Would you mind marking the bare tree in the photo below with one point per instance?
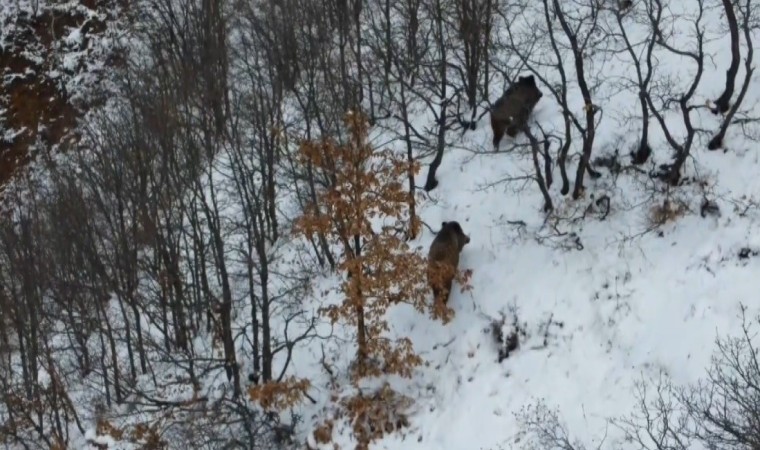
(746, 25)
(723, 102)
(725, 405)
(720, 411)
(663, 98)
(543, 183)
(643, 69)
(543, 49)
(580, 33)
(475, 23)
(542, 428)
(436, 80)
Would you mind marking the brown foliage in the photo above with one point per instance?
(376, 415)
(279, 395)
(380, 268)
(144, 434)
(148, 436)
(106, 428)
(364, 208)
(667, 211)
(34, 104)
(370, 416)
(323, 433)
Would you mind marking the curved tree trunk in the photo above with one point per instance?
(722, 103)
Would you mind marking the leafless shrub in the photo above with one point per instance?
(746, 12)
(659, 422)
(720, 411)
(667, 94)
(541, 428)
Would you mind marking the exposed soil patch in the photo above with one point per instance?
(39, 54)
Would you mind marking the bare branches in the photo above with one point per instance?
(475, 23)
(659, 422)
(166, 244)
(747, 18)
(542, 182)
(587, 22)
(541, 428)
(657, 21)
(726, 403)
(720, 411)
(723, 102)
(643, 79)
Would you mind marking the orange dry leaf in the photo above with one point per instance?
(279, 395)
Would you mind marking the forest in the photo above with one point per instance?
(245, 203)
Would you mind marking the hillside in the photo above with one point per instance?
(157, 289)
(54, 58)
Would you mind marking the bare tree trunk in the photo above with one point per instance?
(413, 220)
(588, 106)
(723, 102)
(642, 153)
(717, 141)
(212, 216)
(431, 181)
(361, 327)
(542, 185)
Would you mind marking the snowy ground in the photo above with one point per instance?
(628, 310)
(629, 307)
(625, 307)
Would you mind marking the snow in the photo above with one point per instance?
(43, 378)
(628, 311)
(603, 302)
(633, 304)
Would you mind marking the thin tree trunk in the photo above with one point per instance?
(723, 102)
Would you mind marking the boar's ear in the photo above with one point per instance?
(443, 225)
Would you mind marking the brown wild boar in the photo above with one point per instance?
(443, 259)
(511, 111)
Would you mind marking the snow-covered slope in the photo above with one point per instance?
(600, 299)
(597, 319)
(604, 301)
(55, 59)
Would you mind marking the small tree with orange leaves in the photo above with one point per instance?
(366, 213)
